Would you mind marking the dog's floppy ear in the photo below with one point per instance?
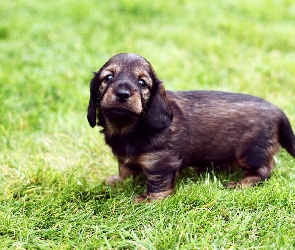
(93, 101)
(159, 113)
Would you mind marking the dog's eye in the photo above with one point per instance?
(142, 83)
(108, 78)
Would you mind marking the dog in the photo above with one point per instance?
(158, 132)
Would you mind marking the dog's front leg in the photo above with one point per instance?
(124, 173)
(159, 186)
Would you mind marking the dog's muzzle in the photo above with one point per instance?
(122, 94)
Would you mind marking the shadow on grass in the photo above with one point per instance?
(189, 175)
(222, 173)
(131, 187)
(68, 188)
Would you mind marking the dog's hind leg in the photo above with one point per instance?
(257, 167)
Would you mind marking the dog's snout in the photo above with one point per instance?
(122, 95)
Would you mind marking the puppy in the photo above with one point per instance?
(159, 132)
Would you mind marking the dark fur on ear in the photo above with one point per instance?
(93, 101)
(159, 113)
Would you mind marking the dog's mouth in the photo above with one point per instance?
(118, 111)
(120, 114)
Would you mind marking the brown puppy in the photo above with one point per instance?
(159, 132)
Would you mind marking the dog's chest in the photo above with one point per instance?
(129, 146)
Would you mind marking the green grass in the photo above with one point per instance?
(52, 163)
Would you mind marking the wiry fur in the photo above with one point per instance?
(159, 132)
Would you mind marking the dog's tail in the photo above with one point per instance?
(286, 135)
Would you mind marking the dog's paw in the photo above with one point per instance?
(142, 198)
(247, 182)
(231, 185)
(150, 197)
(113, 179)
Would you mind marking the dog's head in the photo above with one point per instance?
(125, 92)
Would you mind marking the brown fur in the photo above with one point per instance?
(159, 132)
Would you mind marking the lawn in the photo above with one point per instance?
(52, 164)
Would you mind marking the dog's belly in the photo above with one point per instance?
(206, 158)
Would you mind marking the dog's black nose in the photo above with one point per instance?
(123, 95)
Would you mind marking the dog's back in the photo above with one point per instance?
(223, 125)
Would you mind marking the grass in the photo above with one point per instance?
(52, 163)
